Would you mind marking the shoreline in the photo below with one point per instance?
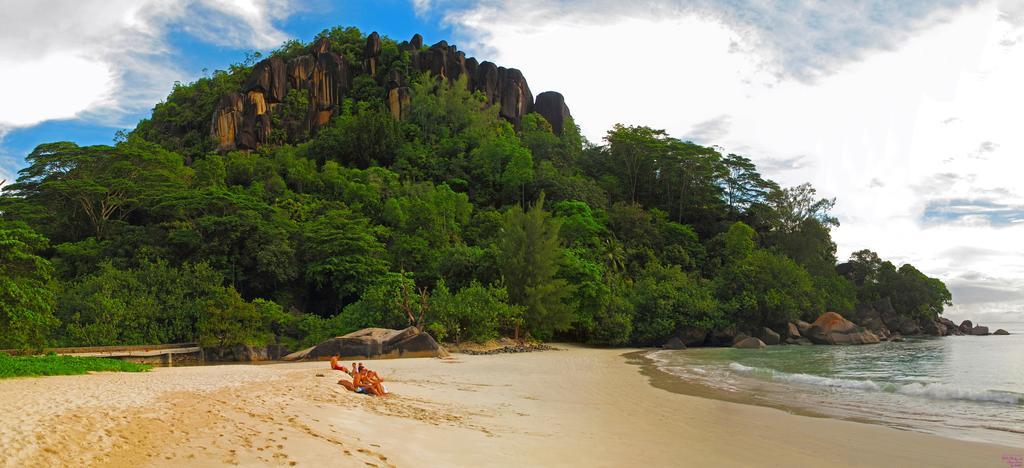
(576, 407)
(664, 380)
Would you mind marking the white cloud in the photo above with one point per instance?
(62, 59)
(873, 121)
(421, 7)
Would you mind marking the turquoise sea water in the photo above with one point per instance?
(965, 387)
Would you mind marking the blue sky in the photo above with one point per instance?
(906, 111)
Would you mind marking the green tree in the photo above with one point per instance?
(474, 313)
(530, 259)
(666, 299)
(96, 185)
(343, 253)
(26, 289)
(228, 321)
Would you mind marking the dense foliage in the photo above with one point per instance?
(450, 219)
(34, 366)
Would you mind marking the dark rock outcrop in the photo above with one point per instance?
(966, 326)
(793, 332)
(951, 328)
(832, 329)
(693, 337)
(371, 54)
(269, 77)
(674, 343)
(376, 343)
(933, 327)
(749, 343)
(869, 316)
(1001, 332)
(769, 337)
(227, 120)
(516, 99)
(243, 120)
(551, 105)
(979, 331)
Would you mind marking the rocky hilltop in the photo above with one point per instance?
(245, 119)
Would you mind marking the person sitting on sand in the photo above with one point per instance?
(360, 383)
(364, 386)
(373, 378)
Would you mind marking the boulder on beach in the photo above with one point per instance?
(896, 338)
(674, 343)
(769, 337)
(870, 317)
(979, 331)
(692, 336)
(802, 326)
(374, 343)
(1001, 332)
(792, 332)
(739, 338)
(832, 329)
(725, 336)
(749, 343)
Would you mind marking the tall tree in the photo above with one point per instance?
(529, 261)
(101, 184)
(26, 292)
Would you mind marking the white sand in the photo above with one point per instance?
(579, 407)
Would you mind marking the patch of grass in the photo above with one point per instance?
(52, 364)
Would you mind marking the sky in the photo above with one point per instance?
(907, 112)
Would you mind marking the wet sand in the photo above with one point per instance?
(577, 407)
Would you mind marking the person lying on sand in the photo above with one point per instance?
(344, 383)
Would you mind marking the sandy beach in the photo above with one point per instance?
(575, 407)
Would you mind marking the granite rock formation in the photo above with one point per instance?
(245, 119)
(374, 343)
(832, 329)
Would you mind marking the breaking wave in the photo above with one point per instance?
(931, 391)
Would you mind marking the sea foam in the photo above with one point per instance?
(931, 391)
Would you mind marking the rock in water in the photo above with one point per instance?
(1001, 332)
(979, 331)
(793, 332)
(674, 343)
(749, 343)
(769, 336)
(933, 328)
(951, 328)
(966, 326)
(832, 329)
(896, 338)
(375, 343)
(802, 326)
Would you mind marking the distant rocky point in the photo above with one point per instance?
(245, 119)
(870, 324)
